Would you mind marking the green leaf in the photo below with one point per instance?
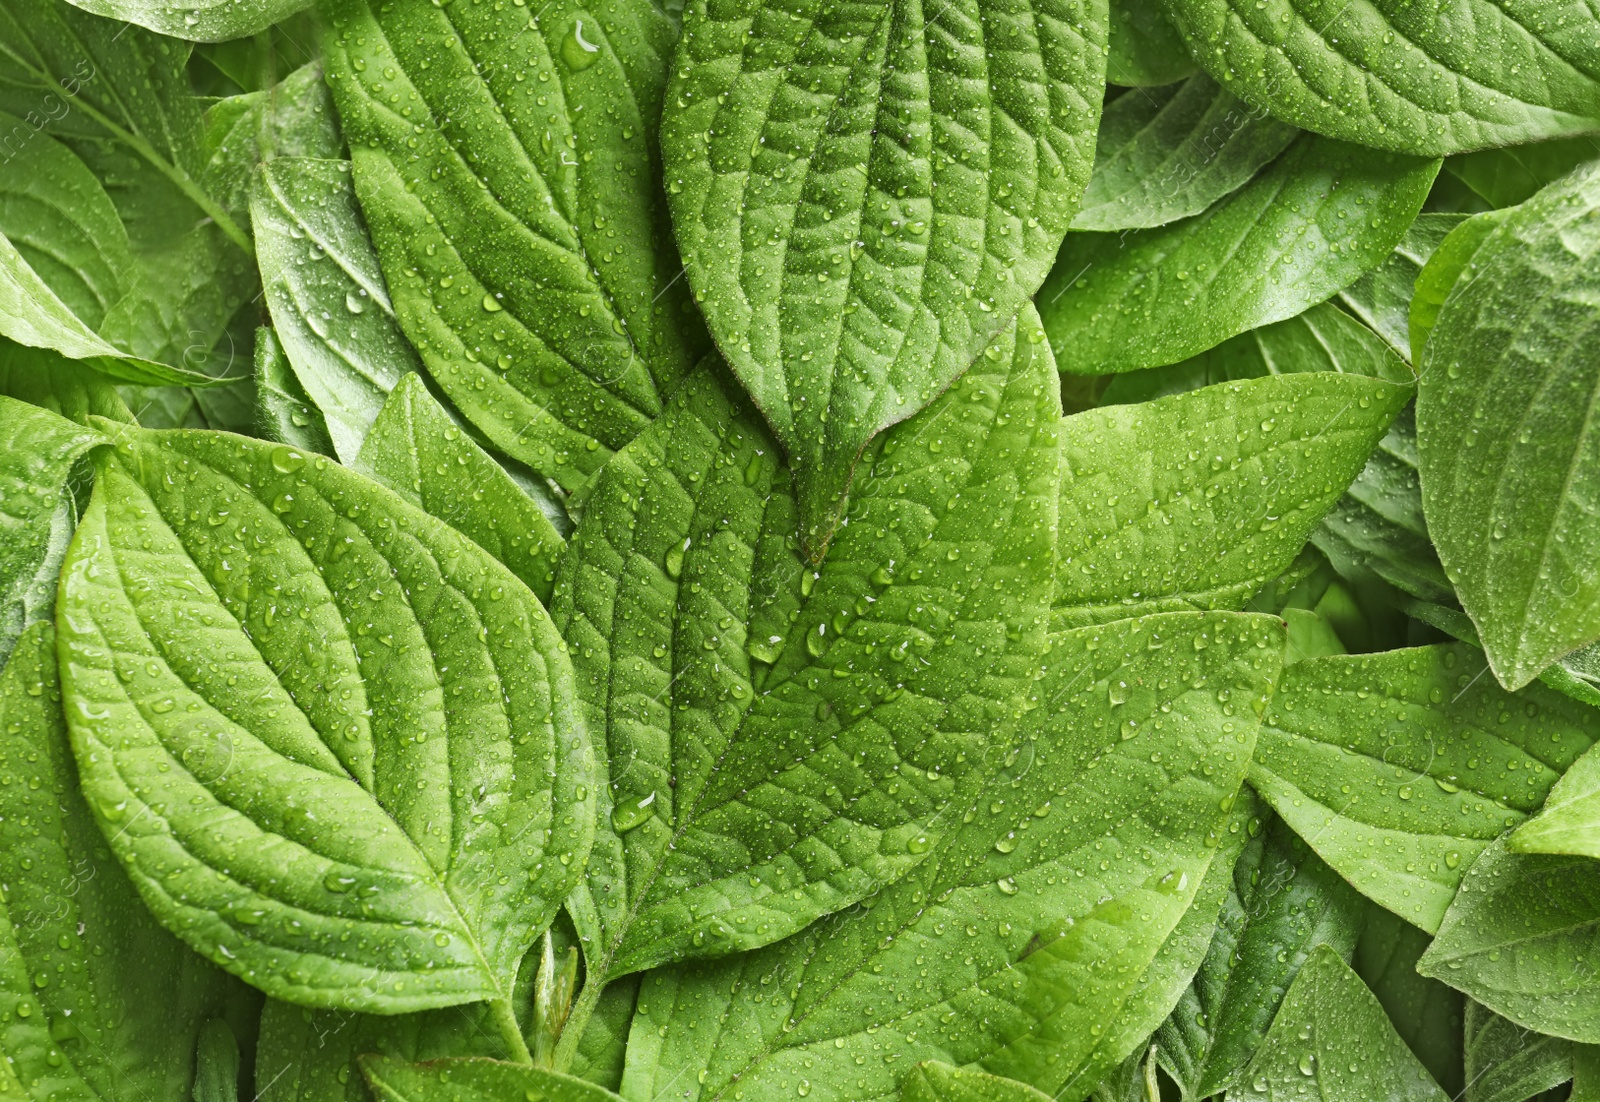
(416, 450)
(1400, 768)
(1455, 74)
(1443, 271)
(377, 705)
(286, 412)
(1136, 1079)
(1282, 903)
(1519, 938)
(1324, 338)
(1426, 1014)
(474, 1080)
(1020, 940)
(1578, 682)
(1509, 432)
(1171, 152)
(45, 378)
(865, 196)
(1506, 177)
(197, 20)
(1382, 297)
(1585, 1074)
(1503, 1062)
(1332, 1037)
(1568, 821)
(601, 1053)
(1321, 215)
(216, 1064)
(1377, 531)
(293, 118)
(122, 1001)
(936, 1082)
(782, 745)
(329, 303)
(1145, 49)
(526, 246)
(1200, 499)
(37, 452)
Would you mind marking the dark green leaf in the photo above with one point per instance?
(1509, 431)
(1331, 1037)
(1426, 1014)
(1171, 152)
(1382, 297)
(329, 303)
(474, 1080)
(866, 195)
(122, 1001)
(1503, 1062)
(1506, 177)
(275, 664)
(216, 1064)
(1400, 768)
(525, 244)
(1322, 214)
(1519, 939)
(1200, 499)
(602, 1051)
(783, 744)
(419, 452)
(1145, 48)
(1282, 903)
(1020, 945)
(285, 411)
(1433, 78)
(46, 378)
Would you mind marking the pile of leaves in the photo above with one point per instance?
(978, 551)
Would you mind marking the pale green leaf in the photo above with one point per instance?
(122, 1001)
(197, 20)
(1020, 943)
(1171, 152)
(46, 378)
(419, 452)
(782, 744)
(1282, 902)
(1200, 499)
(866, 194)
(329, 303)
(936, 1082)
(1508, 426)
(1444, 269)
(1570, 819)
(474, 1080)
(1433, 78)
(1144, 47)
(1331, 1037)
(1400, 768)
(525, 244)
(1519, 939)
(363, 697)
(1321, 215)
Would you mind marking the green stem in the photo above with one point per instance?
(506, 1020)
(577, 1022)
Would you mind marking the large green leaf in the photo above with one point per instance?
(1171, 152)
(1324, 338)
(507, 168)
(1282, 903)
(1332, 1040)
(1519, 939)
(1400, 768)
(936, 1082)
(474, 1080)
(1382, 297)
(781, 743)
(336, 744)
(97, 1002)
(45, 378)
(418, 451)
(1143, 47)
(37, 452)
(1503, 1062)
(1020, 943)
(1508, 426)
(330, 306)
(1428, 1016)
(1377, 529)
(1200, 499)
(197, 20)
(1322, 214)
(866, 194)
(1433, 78)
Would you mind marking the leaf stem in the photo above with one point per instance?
(577, 1022)
(505, 1018)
